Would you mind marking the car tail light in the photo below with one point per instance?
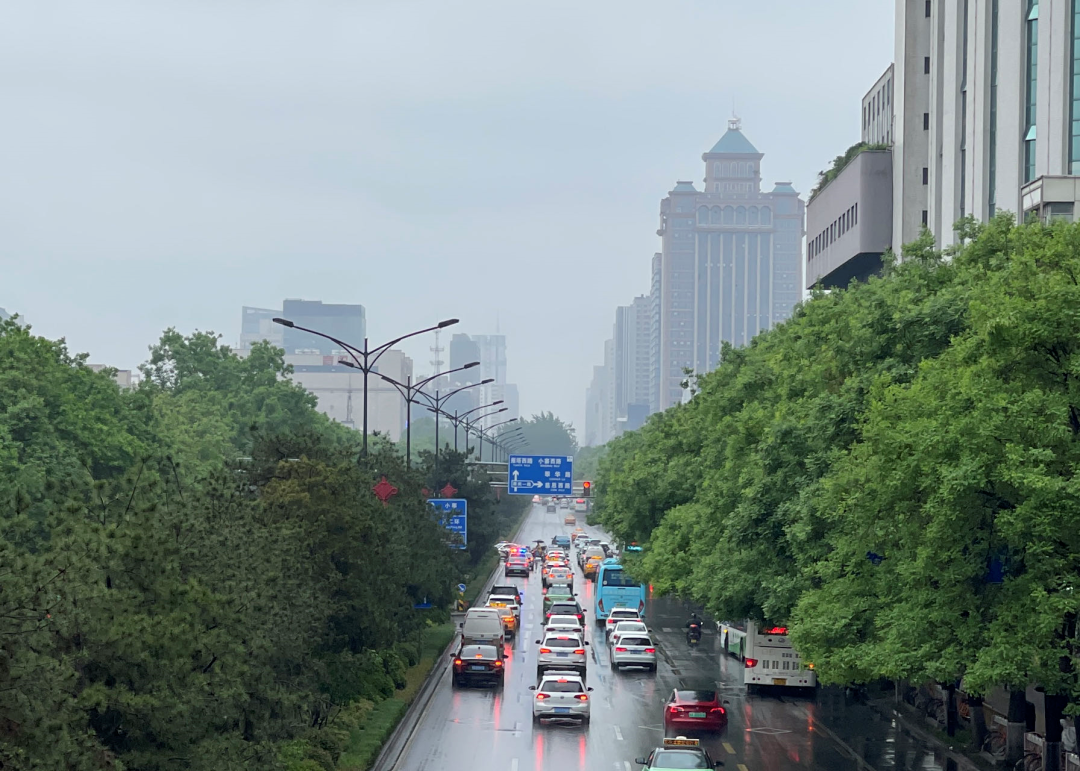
(580, 651)
(620, 650)
(641, 606)
(717, 709)
(751, 663)
(600, 605)
(545, 650)
(457, 662)
(650, 650)
(498, 663)
(582, 697)
(541, 696)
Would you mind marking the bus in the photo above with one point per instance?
(615, 589)
(767, 655)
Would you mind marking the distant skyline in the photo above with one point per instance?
(172, 162)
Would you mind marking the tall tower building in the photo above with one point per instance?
(731, 261)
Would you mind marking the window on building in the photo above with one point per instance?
(926, 65)
(925, 175)
(925, 218)
(1031, 70)
(856, 209)
(928, 9)
(926, 121)
(1074, 91)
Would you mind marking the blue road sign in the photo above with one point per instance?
(541, 475)
(454, 516)
(461, 587)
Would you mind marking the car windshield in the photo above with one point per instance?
(562, 642)
(696, 696)
(630, 626)
(563, 609)
(565, 620)
(563, 686)
(478, 652)
(624, 615)
(679, 759)
(636, 641)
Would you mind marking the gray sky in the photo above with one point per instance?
(164, 163)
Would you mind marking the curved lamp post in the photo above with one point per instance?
(366, 358)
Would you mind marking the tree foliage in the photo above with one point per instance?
(891, 473)
(196, 574)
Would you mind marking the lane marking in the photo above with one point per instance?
(618, 733)
(742, 767)
(626, 765)
(666, 629)
(513, 764)
(728, 748)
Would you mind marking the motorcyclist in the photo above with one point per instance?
(694, 626)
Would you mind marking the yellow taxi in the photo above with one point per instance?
(509, 620)
(578, 532)
(592, 564)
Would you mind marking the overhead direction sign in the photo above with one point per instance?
(454, 516)
(540, 475)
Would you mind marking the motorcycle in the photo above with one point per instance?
(693, 634)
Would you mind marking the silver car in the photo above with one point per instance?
(626, 627)
(561, 651)
(561, 696)
(634, 651)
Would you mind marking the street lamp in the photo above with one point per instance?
(365, 359)
(409, 392)
(456, 419)
(437, 402)
(470, 424)
(489, 428)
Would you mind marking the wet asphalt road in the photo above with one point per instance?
(490, 730)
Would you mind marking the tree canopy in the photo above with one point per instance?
(891, 473)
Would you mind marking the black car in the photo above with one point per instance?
(479, 664)
(566, 609)
(505, 589)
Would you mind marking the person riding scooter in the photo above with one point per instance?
(693, 629)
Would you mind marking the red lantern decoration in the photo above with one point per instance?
(384, 490)
(448, 491)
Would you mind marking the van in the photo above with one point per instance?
(483, 625)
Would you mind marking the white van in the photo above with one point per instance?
(483, 625)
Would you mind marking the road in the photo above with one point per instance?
(488, 730)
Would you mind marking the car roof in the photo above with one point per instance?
(562, 635)
(559, 674)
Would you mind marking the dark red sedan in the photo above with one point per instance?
(694, 710)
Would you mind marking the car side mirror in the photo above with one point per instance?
(532, 687)
(718, 763)
(640, 761)
(537, 642)
(586, 642)
(726, 702)
(590, 690)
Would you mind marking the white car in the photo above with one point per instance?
(634, 650)
(620, 614)
(561, 651)
(561, 696)
(560, 576)
(626, 627)
(564, 625)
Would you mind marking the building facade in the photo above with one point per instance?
(987, 105)
(492, 356)
(345, 322)
(731, 261)
(631, 346)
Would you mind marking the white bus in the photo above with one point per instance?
(767, 656)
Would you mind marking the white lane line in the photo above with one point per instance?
(618, 733)
(513, 765)
(626, 765)
(666, 629)
(728, 748)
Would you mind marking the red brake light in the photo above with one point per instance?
(545, 650)
(777, 630)
(583, 697)
(717, 709)
(498, 663)
(541, 696)
(650, 650)
(751, 663)
(580, 651)
(620, 650)
(457, 662)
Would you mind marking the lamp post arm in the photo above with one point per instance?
(350, 349)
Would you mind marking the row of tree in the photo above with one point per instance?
(195, 573)
(893, 473)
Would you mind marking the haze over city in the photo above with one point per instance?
(166, 164)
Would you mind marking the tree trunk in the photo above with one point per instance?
(1017, 726)
(978, 722)
(1055, 709)
(948, 694)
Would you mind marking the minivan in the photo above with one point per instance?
(483, 625)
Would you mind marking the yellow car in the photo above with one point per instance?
(569, 519)
(592, 564)
(509, 620)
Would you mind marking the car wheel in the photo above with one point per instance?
(455, 681)
(616, 666)
(536, 719)
(653, 669)
(585, 720)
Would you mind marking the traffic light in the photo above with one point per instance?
(586, 488)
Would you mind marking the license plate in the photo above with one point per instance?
(779, 681)
(479, 668)
(637, 650)
(697, 714)
(562, 710)
(562, 655)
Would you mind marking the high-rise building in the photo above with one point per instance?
(492, 356)
(655, 338)
(345, 322)
(257, 324)
(632, 366)
(4, 314)
(732, 261)
(463, 349)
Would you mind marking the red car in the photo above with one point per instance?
(694, 710)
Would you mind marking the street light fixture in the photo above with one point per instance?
(409, 392)
(489, 428)
(470, 426)
(365, 359)
(456, 419)
(436, 402)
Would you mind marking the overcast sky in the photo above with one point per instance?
(165, 163)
